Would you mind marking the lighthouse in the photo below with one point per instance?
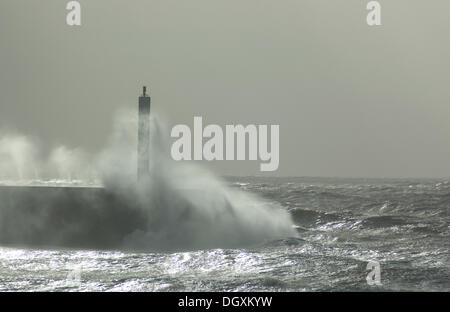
(143, 135)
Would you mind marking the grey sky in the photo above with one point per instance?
(351, 100)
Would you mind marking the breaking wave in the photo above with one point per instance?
(180, 206)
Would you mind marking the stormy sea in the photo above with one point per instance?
(185, 229)
(341, 225)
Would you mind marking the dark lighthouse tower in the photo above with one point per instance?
(143, 135)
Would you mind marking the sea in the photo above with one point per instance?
(352, 235)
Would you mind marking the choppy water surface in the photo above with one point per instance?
(341, 225)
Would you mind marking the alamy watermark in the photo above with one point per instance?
(374, 276)
(74, 275)
(374, 16)
(73, 17)
(230, 144)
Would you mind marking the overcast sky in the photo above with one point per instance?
(351, 100)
